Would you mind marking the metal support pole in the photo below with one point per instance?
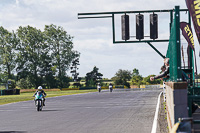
(177, 47)
(113, 27)
(156, 50)
(192, 76)
(171, 19)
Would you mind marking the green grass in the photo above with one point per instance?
(28, 95)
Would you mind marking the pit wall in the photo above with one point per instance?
(176, 102)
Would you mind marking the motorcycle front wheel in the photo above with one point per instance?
(38, 106)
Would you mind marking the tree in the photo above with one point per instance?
(47, 73)
(121, 77)
(41, 57)
(61, 47)
(135, 72)
(8, 43)
(30, 51)
(147, 80)
(24, 83)
(136, 78)
(74, 68)
(93, 77)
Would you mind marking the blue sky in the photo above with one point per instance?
(93, 37)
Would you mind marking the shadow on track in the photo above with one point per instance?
(49, 110)
(13, 132)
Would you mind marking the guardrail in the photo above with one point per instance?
(151, 86)
(10, 92)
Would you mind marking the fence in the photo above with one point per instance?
(10, 92)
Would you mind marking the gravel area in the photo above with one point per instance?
(162, 126)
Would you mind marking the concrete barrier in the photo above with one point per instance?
(176, 102)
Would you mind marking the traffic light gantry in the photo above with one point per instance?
(125, 27)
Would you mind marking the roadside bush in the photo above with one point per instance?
(65, 82)
(24, 83)
(127, 84)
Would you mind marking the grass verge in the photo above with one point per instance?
(28, 95)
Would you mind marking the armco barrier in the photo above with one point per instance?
(119, 86)
(87, 88)
(151, 86)
(10, 92)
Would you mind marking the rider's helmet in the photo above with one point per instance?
(39, 87)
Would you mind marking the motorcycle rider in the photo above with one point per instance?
(110, 86)
(43, 93)
(99, 86)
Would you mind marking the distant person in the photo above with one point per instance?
(99, 87)
(43, 93)
(165, 70)
(110, 87)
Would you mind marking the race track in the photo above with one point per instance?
(122, 111)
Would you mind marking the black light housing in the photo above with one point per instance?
(153, 26)
(125, 27)
(139, 26)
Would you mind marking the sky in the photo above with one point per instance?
(93, 37)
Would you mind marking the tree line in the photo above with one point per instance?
(32, 57)
(121, 77)
(127, 78)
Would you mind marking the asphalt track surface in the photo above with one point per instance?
(122, 111)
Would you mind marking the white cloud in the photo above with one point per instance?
(17, 2)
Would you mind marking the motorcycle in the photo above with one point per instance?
(39, 101)
(110, 88)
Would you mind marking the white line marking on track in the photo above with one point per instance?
(154, 127)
